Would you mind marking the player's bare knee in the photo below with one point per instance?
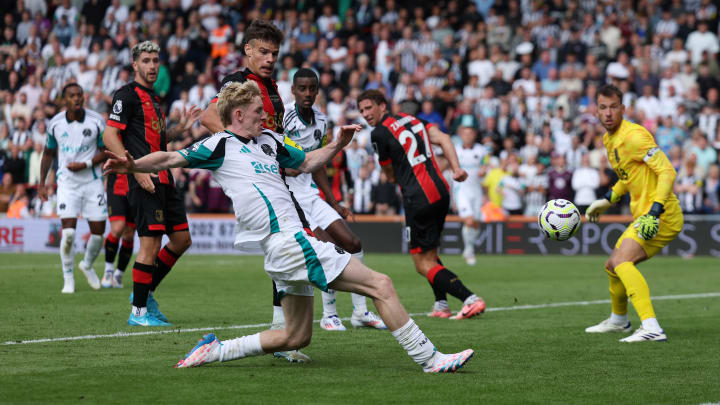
(609, 265)
(384, 286)
(298, 340)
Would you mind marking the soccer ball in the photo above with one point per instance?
(559, 219)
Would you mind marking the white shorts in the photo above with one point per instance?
(298, 262)
(469, 204)
(87, 199)
(317, 212)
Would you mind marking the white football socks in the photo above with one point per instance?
(245, 346)
(93, 249)
(469, 235)
(109, 267)
(278, 321)
(67, 256)
(469, 300)
(441, 305)
(329, 300)
(415, 343)
(618, 319)
(651, 324)
(139, 311)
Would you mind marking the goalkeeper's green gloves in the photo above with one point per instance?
(598, 207)
(648, 225)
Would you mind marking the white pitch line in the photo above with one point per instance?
(264, 325)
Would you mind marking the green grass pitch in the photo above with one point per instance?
(538, 355)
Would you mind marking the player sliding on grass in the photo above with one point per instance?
(246, 161)
(402, 143)
(644, 171)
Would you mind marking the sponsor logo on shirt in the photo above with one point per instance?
(261, 168)
(117, 107)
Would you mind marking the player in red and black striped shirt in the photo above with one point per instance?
(137, 124)
(402, 143)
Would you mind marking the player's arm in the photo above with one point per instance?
(321, 180)
(377, 137)
(151, 163)
(45, 163)
(438, 137)
(648, 225)
(598, 207)
(210, 119)
(318, 158)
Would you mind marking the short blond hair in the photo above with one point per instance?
(146, 46)
(234, 95)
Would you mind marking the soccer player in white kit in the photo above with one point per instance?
(246, 161)
(307, 127)
(468, 194)
(76, 136)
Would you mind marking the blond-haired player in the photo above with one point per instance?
(646, 173)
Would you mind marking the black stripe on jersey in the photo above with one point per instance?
(219, 151)
(292, 114)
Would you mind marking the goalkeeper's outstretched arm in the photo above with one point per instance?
(598, 207)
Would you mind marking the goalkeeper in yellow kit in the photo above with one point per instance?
(646, 173)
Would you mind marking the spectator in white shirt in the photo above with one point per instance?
(512, 191)
(701, 40)
(585, 180)
(119, 11)
(362, 197)
(648, 103)
(202, 92)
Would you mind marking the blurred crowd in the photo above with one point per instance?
(522, 74)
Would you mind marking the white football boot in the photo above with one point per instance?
(332, 323)
(89, 273)
(106, 281)
(448, 363)
(367, 320)
(607, 326)
(69, 285)
(644, 335)
(293, 356)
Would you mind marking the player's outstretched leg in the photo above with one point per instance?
(360, 279)
(639, 293)
(296, 334)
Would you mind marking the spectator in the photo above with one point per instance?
(512, 190)
(362, 198)
(20, 205)
(648, 104)
(689, 187)
(21, 137)
(34, 164)
(535, 190)
(704, 153)
(585, 180)
(384, 196)
(15, 165)
(559, 179)
(701, 40)
(7, 190)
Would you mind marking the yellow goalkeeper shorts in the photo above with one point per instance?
(671, 223)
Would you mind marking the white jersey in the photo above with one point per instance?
(472, 161)
(249, 173)
(76, 141)
(309, 136)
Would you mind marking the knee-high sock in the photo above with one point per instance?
(618, 295)
(111, 249)
(415, 343)
(142, 278)
(469, 235)
(238, 348)
(165, 261)
(67, 255)
(329, 300)
(126, 251)
(637, 289)
(447, 281)
(93, 249)
(359, 302)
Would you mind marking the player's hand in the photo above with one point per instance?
(459, 175)
(42, 192)
(189, 116)
(597, 208)
(118, 164)
(647, 226)
(347, 132)
(344, 212)
(145, 181)
(76, 166)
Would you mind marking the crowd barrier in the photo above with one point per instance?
(215, 234)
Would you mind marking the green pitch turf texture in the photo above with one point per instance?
(523, 356)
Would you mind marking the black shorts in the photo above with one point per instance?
(162, 212)
(119, 209)
(424, 225)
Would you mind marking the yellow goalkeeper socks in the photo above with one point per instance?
(637, 289)
(618, 296)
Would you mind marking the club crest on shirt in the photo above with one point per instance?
(87, 132)
(159, 216)
(317, 135)
(117, 107)
(267, 149)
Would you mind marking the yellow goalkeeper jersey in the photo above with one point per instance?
(643, 170)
